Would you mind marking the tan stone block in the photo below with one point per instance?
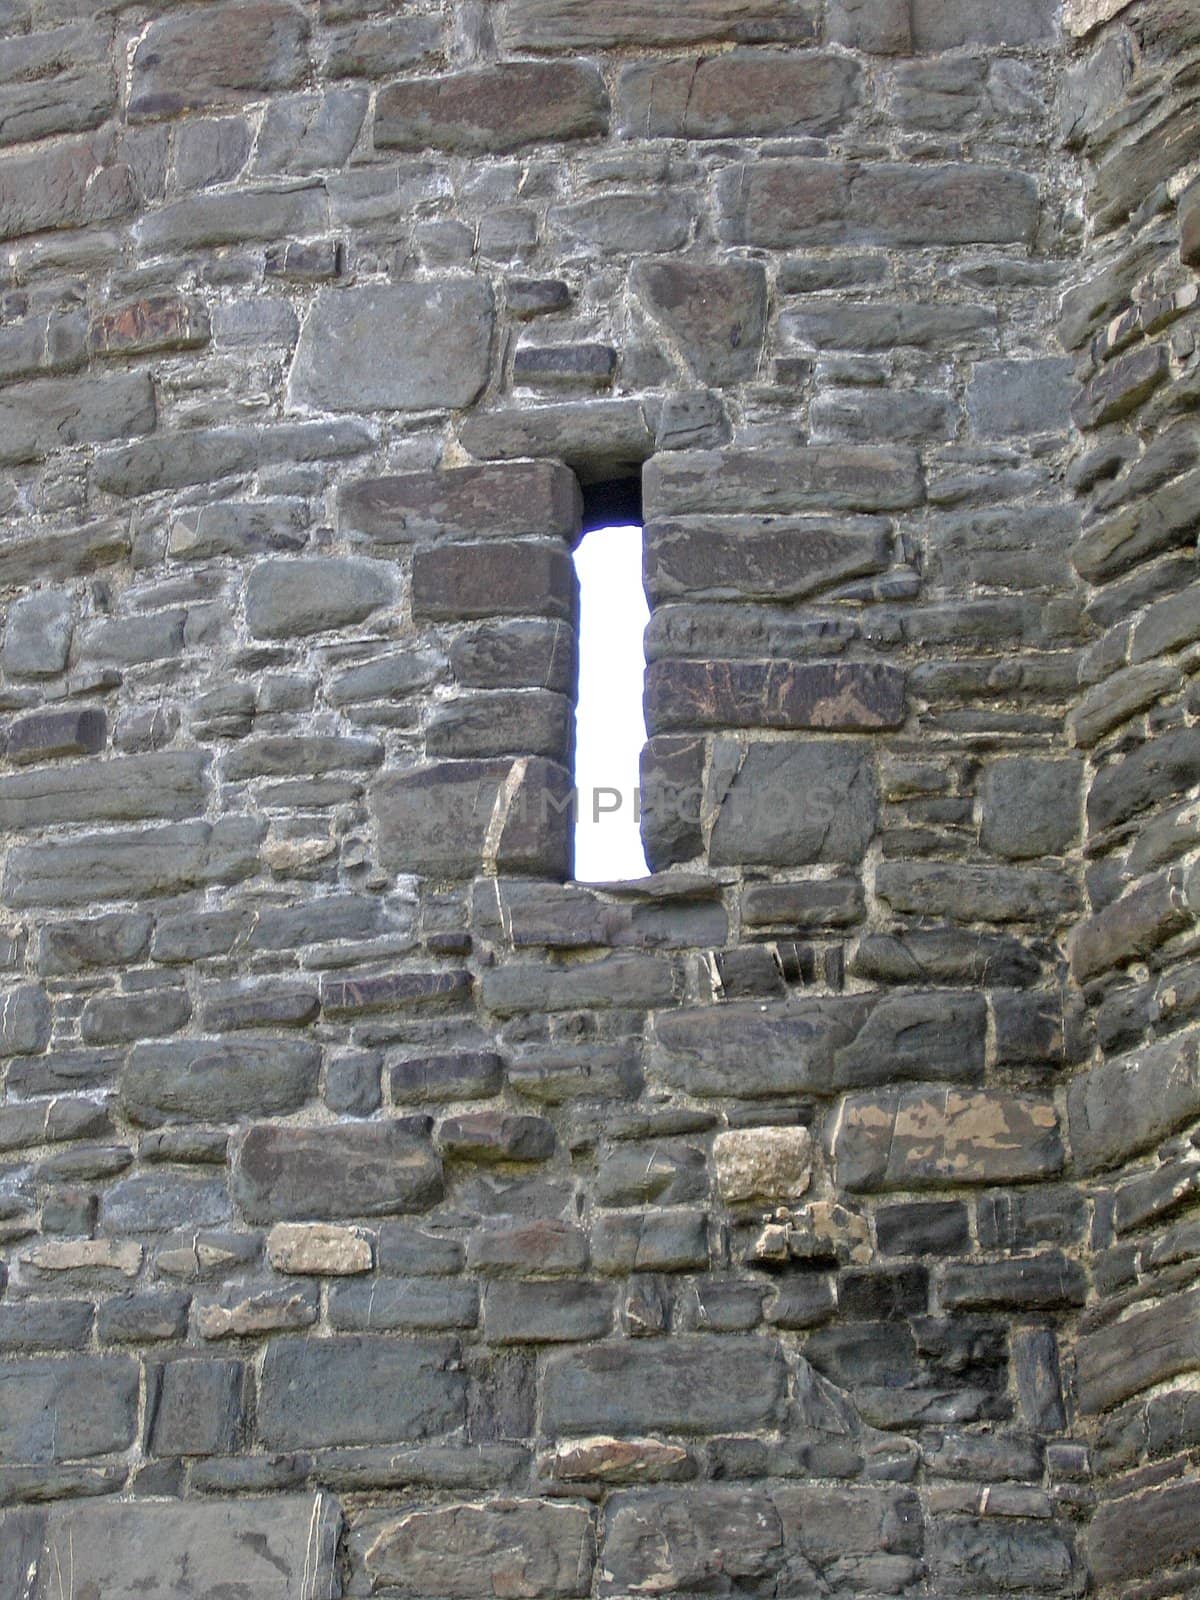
(763, 1163)
(85, 1255)
(319, 1248)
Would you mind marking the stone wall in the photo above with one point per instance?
(383, 1213)
(1132, 103)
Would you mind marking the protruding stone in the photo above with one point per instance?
(367, 1169)
(492, 110)
(771, 1164)
(319, 1249)
(535, 1548)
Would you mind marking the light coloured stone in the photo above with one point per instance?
(606, 1460)
(1081, 16)
(319, 1248)
(85, 1255)
(763, 1163)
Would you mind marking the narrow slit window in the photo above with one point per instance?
(610, 723)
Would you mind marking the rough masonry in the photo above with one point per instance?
(383, 1213)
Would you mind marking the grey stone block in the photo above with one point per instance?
(352, 1390)
(405, 347)
(367, 1169)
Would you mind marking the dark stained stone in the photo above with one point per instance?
(492, 109)
(401, 347)
(742, 93)
(672, 791)
(164, 784)
(68, 1409)
(368, 1169)
(453, 582)
(1135, 1535)
(838, 696)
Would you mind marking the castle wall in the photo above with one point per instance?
(383, 1212)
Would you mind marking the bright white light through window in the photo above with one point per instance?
(610, 725)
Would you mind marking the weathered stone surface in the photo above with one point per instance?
(367, 1169)
(402, 347)
(70, 185)
(1033, 1556)
(351, 1390)
(543, 1549)
(37, 418)
(744, 92)
(792, 804)
(916, 1137)
(457, 818)
(950, 24)
(838, 696)
(977, 893)
(504, 500)
(688, 1386)
(319, 1249)
(1145, 1348)
(715, 315)
(781, 203)
(829, 478)
(1010, 399)
(1031, 807)
(763, 1163)
(767, 558)
(218, 1079)
(60, 81)
(289, 597)
(37, 635)
(121, 865)
(583, 24)
(1129, 1102)
(492, 109)
(285, 1546)
(67, 1410)
(1131, 1537)
(223, 54)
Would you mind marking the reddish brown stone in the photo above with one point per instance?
(776, 694)
(496, 500)
(523, 579)
(160, 322)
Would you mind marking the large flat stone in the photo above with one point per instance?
(493, 109)
(358, 1390)
(67, 1410)
(163, 785)
(687, 1385)
(216, 55)
(600, 24)
(792, 804)
(401, 347)
(1129, 1103)
(218, 1079)
(456, 818)
(503, 500)
(126, 864)
(58, 81)
(715, 315)
(768, 558)
(838, 696)
(824, 478)
(366, 1169)
(913, 1138)
(534, 1548)
(777, 203)
(744, 93)
(1145, 1348)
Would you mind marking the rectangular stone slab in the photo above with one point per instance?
(277, 1549)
